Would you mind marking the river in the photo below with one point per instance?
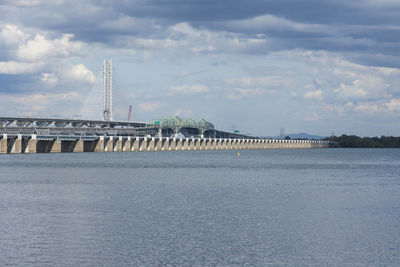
(314, 207)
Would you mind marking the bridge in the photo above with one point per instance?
(44, 135)
(37, 135)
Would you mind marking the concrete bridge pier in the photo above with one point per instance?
(100, 145)
(250, 144)
(109, 144)
(151, 145)
(223, 144)
(287, 143)
(208, 143)
(278, 144)
(24, 144)
(186, 144)
(159, 143)
(230, 144)
(143, 144)
(245, 144)
(233, 144)
(260, 144)
(269, 144)
(192, 144)
(172, 144)
(165, 144)
(54, 146)
(3, 144)
(237, 144)
(290, 143)
(306, 144)
(217, 144)
(127, 146)
(203, 144)
(274, 144)
(79, 146)
(296, 142)
(118, 144)
(135, 144)
(253, 144)
(241, 144)
(256, 144)
(179, 145)
(11, 144)
(16, 147)
(197, 145)
(32, 145)
(282, 144)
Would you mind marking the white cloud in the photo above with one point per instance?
(12, 67)
(352, 91)
(393, 105)
(271, 22)
(41, 48)
(188, 89)
(34, 104)
(182, 37)
(368, 108)
(11, 35)
(367, 86)
(49, 79)
(81, 73)
(317, 94)
(41, 99)
(186, 29)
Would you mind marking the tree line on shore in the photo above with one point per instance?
(354, 141)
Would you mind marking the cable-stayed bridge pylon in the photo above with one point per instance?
(116, 99)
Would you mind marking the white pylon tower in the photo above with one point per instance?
(107, 91)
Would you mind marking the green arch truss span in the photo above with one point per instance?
(179, 124)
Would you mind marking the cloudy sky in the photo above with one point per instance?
(316, 66)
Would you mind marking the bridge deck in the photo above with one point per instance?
(48, 122)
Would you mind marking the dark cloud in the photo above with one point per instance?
(306, 11)
(309, 24)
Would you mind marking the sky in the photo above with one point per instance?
(315, 66)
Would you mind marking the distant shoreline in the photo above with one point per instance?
(353, 141)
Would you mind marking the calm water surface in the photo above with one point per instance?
(336, 207)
